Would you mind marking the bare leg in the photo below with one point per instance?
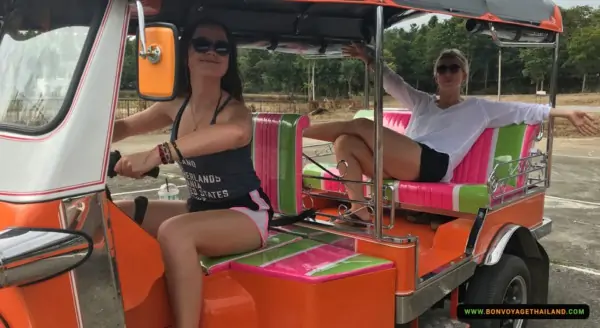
(211, 233)
(327, 131)
(359, 158)
(401, 159)
(157, 212)
(401, 155)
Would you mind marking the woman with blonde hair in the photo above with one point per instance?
(441, 130)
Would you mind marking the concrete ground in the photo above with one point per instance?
(573, 203)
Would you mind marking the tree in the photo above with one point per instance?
(583, 49)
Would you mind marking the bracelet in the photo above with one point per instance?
(167, 151)
(177, 150)
(161, 153)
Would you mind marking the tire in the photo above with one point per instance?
(489, 285)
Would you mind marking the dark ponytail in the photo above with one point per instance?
(230, 82)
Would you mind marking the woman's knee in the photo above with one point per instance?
(361, 124)
(171, 234)
(345, 142)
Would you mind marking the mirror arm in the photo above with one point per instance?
(152, 52)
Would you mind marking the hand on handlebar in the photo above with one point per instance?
(138, 164)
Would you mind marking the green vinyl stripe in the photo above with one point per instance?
(272, 241)
(279, 253)
(287, 164)
(364, 113)
(351, 264)
(472, 197)
(328, 238)
(509, 145)
(313, 170)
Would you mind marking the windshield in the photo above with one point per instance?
(43, 47)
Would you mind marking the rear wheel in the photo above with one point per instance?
(507, 282)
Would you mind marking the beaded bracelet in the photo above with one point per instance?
(161, 153)
(167, 151)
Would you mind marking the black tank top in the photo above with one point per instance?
(219, 177)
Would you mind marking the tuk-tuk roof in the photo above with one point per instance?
(540, 14)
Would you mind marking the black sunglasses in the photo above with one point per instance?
(454, 68)
(204, 45)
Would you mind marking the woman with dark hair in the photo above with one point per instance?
(227, 211)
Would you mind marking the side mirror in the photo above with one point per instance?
(157, 61)
(33, 255)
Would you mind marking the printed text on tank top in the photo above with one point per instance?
(221, 176)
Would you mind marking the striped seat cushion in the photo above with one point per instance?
(310, 261)
(277, 157)
(276, 239)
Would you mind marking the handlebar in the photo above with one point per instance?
(115, 156)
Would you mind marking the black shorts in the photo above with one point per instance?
(434, 165)
(196, 205)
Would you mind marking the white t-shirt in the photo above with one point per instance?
(455, 129)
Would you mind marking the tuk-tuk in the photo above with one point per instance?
(70, 258)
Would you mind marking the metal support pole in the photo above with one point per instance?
(378, 118)
(499, 72)
(367, 89)
(550, 129)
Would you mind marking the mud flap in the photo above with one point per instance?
(540, 273)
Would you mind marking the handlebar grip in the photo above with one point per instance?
(115, 156)
(153, 173)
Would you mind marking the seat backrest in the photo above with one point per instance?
(492, 147)
(277, 157)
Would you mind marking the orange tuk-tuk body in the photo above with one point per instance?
(70, 258)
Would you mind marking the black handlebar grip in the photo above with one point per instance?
(115, 156)
(153, 173)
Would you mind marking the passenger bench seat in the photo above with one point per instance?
(468, 190)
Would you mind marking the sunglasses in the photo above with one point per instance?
(454, 68)
(204, 45)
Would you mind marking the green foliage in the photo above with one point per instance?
(412, 52)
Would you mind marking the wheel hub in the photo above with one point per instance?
(515, 293)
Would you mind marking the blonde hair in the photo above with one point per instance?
(455, 54)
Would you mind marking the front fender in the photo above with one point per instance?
(520, 241)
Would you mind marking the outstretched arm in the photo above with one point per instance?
(150, 119)
(400, 90)
(505, 113)
(393, 83)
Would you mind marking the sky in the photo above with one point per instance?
(563, 3)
